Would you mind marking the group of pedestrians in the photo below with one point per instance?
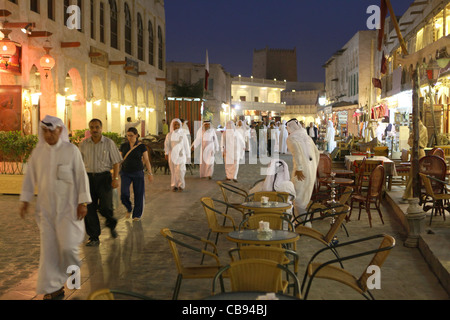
(73, 185)
(76, 183)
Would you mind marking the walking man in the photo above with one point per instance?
(178, 154)
(207, 143)
(100, 155)
(56, 169)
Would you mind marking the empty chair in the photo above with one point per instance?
(326, 270)
(257, 275)
(212, 213)
(435, 167)
(233, 196)
(190, 271)
(324, 169)
(438, 199)
(373, 195)
(111, 294)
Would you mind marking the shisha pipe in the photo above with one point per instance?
(333, 203)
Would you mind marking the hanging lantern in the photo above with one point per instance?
(47, 61)
(7, 47)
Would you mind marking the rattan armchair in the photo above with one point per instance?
(259, 275)
(110, 294)
(211, 211)
(327, 239)
(326, 270)
(230, 193)
(190, 271)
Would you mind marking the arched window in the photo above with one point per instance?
(140, 26)
(128, 32)
(160, 49)
(114, 24)
(151, 52)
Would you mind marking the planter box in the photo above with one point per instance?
(11, 184)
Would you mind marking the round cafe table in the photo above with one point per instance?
(271, 206)
(250, 236)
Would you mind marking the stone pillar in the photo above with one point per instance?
(415, 217)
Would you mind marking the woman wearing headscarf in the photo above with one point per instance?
(233, 147)
(283, 137)
(207, 143)
(177, 150)
(57, 171)
(305, 156)
(331, 132)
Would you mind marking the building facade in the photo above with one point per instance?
(109, 62)
(425, 28)
(216, 100)
(256, 99)
(348, 81)
(301, 100)
(277, 64)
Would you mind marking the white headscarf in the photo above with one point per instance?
(299, 133)
(52, 123)
(277, 174)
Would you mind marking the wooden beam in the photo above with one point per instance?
(4, 13)
(117, 63)
(415, 4)
(143, 73)
(18, 25)
(161, 79)
(128, 68)
(70, 44)
(94, 54)
(40, 34)
(416, 12)
(397, 29)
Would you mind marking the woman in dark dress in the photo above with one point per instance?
(135, 155)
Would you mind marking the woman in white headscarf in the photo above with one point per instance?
(331, 132)
(283, 137)
(178, 154)
(233, 147)
(207, 143)
(57, 171)
(305, 156)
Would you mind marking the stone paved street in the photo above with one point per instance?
(139, 259)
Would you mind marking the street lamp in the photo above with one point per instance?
(7, 47)
(47, 61)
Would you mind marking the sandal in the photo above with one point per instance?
(57, 295)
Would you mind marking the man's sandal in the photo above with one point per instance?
(57, 295)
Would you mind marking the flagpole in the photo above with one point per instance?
(397, 28)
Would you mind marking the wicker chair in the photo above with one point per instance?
(257, 275)
(438, 199)
(373, 195)
(212, 213)
(192, 271)
(230, 193)
(282, 256)
(110, 294)
(328, 271)
(337, 219)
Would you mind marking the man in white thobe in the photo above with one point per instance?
(178, 154)
(56, 170)
(206, 141)
(331, 132)
(242, 128)
(283, 137)
(233, 148)
(305, 156)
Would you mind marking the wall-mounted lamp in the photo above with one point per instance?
(27, 29)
